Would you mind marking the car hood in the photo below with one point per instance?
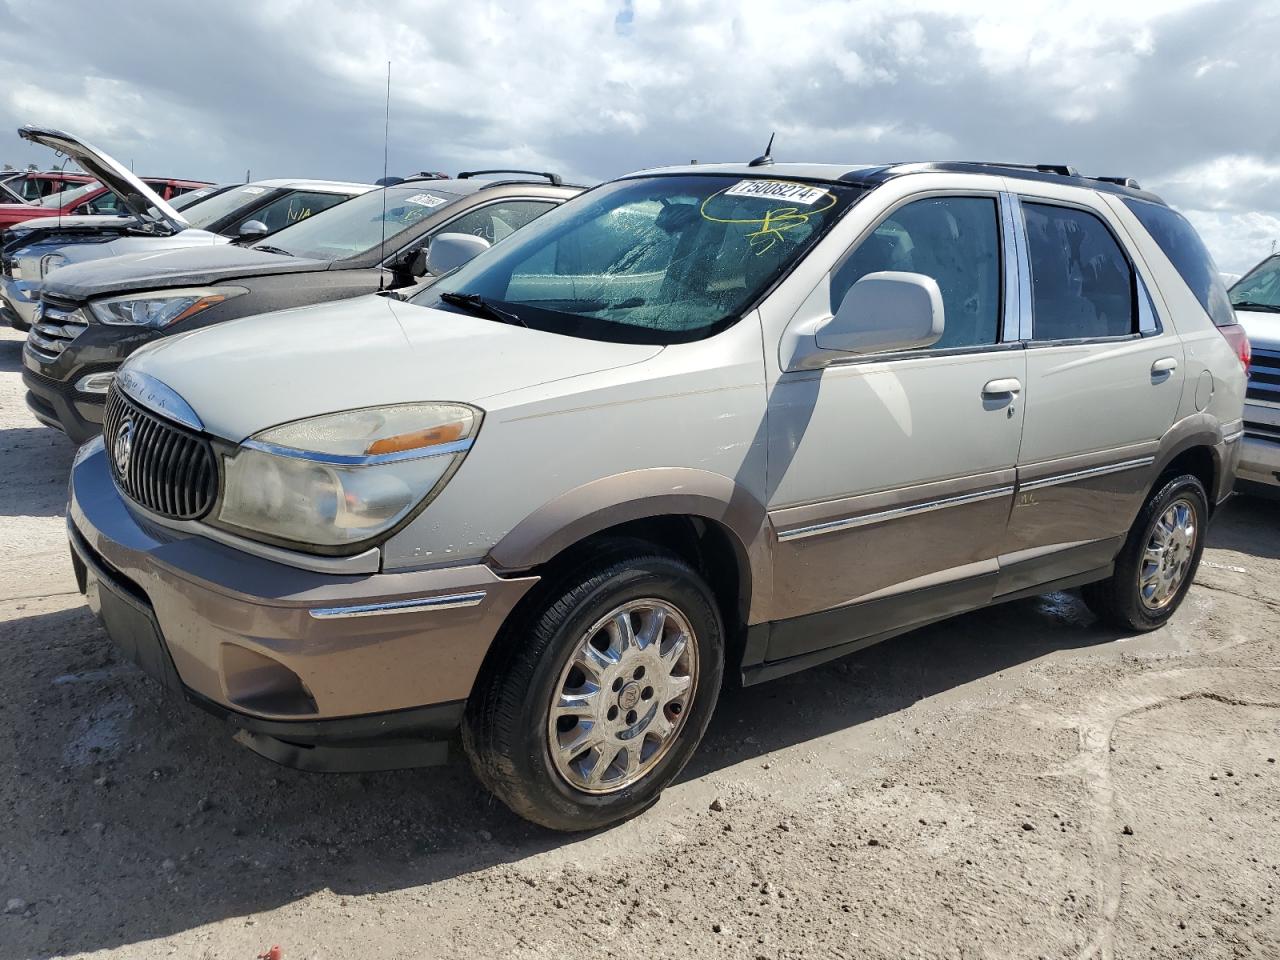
(357, 353)
(137, 197)
(194, 266)
(1263, 328)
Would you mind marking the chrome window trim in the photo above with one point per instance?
(453, 601)
(358, 460)
(862, 520)
(1074, 475)
(1012, 322)
(1025, 304)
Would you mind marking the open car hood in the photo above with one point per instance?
(137, 197)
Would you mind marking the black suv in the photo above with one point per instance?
(93, 315)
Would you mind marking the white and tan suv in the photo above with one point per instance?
(699, 420)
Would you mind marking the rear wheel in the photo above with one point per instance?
(599, 696)
(1159, 560)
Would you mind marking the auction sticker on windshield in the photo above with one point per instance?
(777, 190)
(426, 200)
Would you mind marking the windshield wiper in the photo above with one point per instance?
(1251, 305)
(481, 307)
(267, 248)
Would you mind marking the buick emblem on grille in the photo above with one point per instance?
(122, 449)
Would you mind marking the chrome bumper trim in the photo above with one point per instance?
(450, 602)
(1087, 474)
(849, 523)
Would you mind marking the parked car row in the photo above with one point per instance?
(537, 467)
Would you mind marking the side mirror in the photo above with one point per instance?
(406, 267)
(884, 312)
(253, 228)
(448, 251)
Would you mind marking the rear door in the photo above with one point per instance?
(1104, 380)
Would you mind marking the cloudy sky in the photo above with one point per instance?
(1178, 93)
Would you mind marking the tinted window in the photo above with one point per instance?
(660, 259)
(954, 240)
(289, 209)
(1174, 234)
(497, 221)
(1081, 281)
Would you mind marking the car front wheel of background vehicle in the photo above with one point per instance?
(598, 697)
(1158, 561)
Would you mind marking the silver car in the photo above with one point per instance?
(707, 420)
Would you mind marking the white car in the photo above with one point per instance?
(742, 418)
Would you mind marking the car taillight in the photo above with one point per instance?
(1239, 341)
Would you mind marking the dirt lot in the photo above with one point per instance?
(1016, 783)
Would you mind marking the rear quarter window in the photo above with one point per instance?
(1174, 235)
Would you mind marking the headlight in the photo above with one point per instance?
(343, 478)
(161, 307)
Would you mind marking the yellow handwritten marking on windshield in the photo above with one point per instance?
(774, 223)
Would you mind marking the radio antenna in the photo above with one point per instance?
(386, 140)
(766, 158)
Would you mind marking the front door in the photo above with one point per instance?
(891, 476)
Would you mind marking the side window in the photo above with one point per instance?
(108, 204)
(954, 240)
(1186, 251)
(497, 221)
(289, 209)
(1082, 284)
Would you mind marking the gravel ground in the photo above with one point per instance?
(1015, 783)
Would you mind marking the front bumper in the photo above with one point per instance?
(58, 404)
(20, 298)
(315, 669)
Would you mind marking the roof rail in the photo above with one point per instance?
(555, 178)
(1119, 181)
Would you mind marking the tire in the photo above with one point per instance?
(1128, 602)
(528, 760)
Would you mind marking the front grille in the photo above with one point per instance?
(56, 327)
(166, 468)
(1264, 376)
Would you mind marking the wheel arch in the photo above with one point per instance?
(708, 519)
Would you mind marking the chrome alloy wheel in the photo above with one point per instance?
(623, 697)
(1167, 557)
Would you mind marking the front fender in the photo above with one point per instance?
(641, 494)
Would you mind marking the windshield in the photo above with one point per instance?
(192, 197)
(1259, 288)
(56, 201)
(652, 260)
(229, 203)
(356, 227)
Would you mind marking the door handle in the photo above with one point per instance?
(1002, 388)
(1164, 366)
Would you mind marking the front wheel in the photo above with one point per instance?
(1158, 561)
(598, 697)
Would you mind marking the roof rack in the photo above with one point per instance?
(555, 178)
(1026, 171)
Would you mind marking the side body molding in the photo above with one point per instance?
(643, 494)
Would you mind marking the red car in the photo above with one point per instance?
(34, 185)
(89, 197)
